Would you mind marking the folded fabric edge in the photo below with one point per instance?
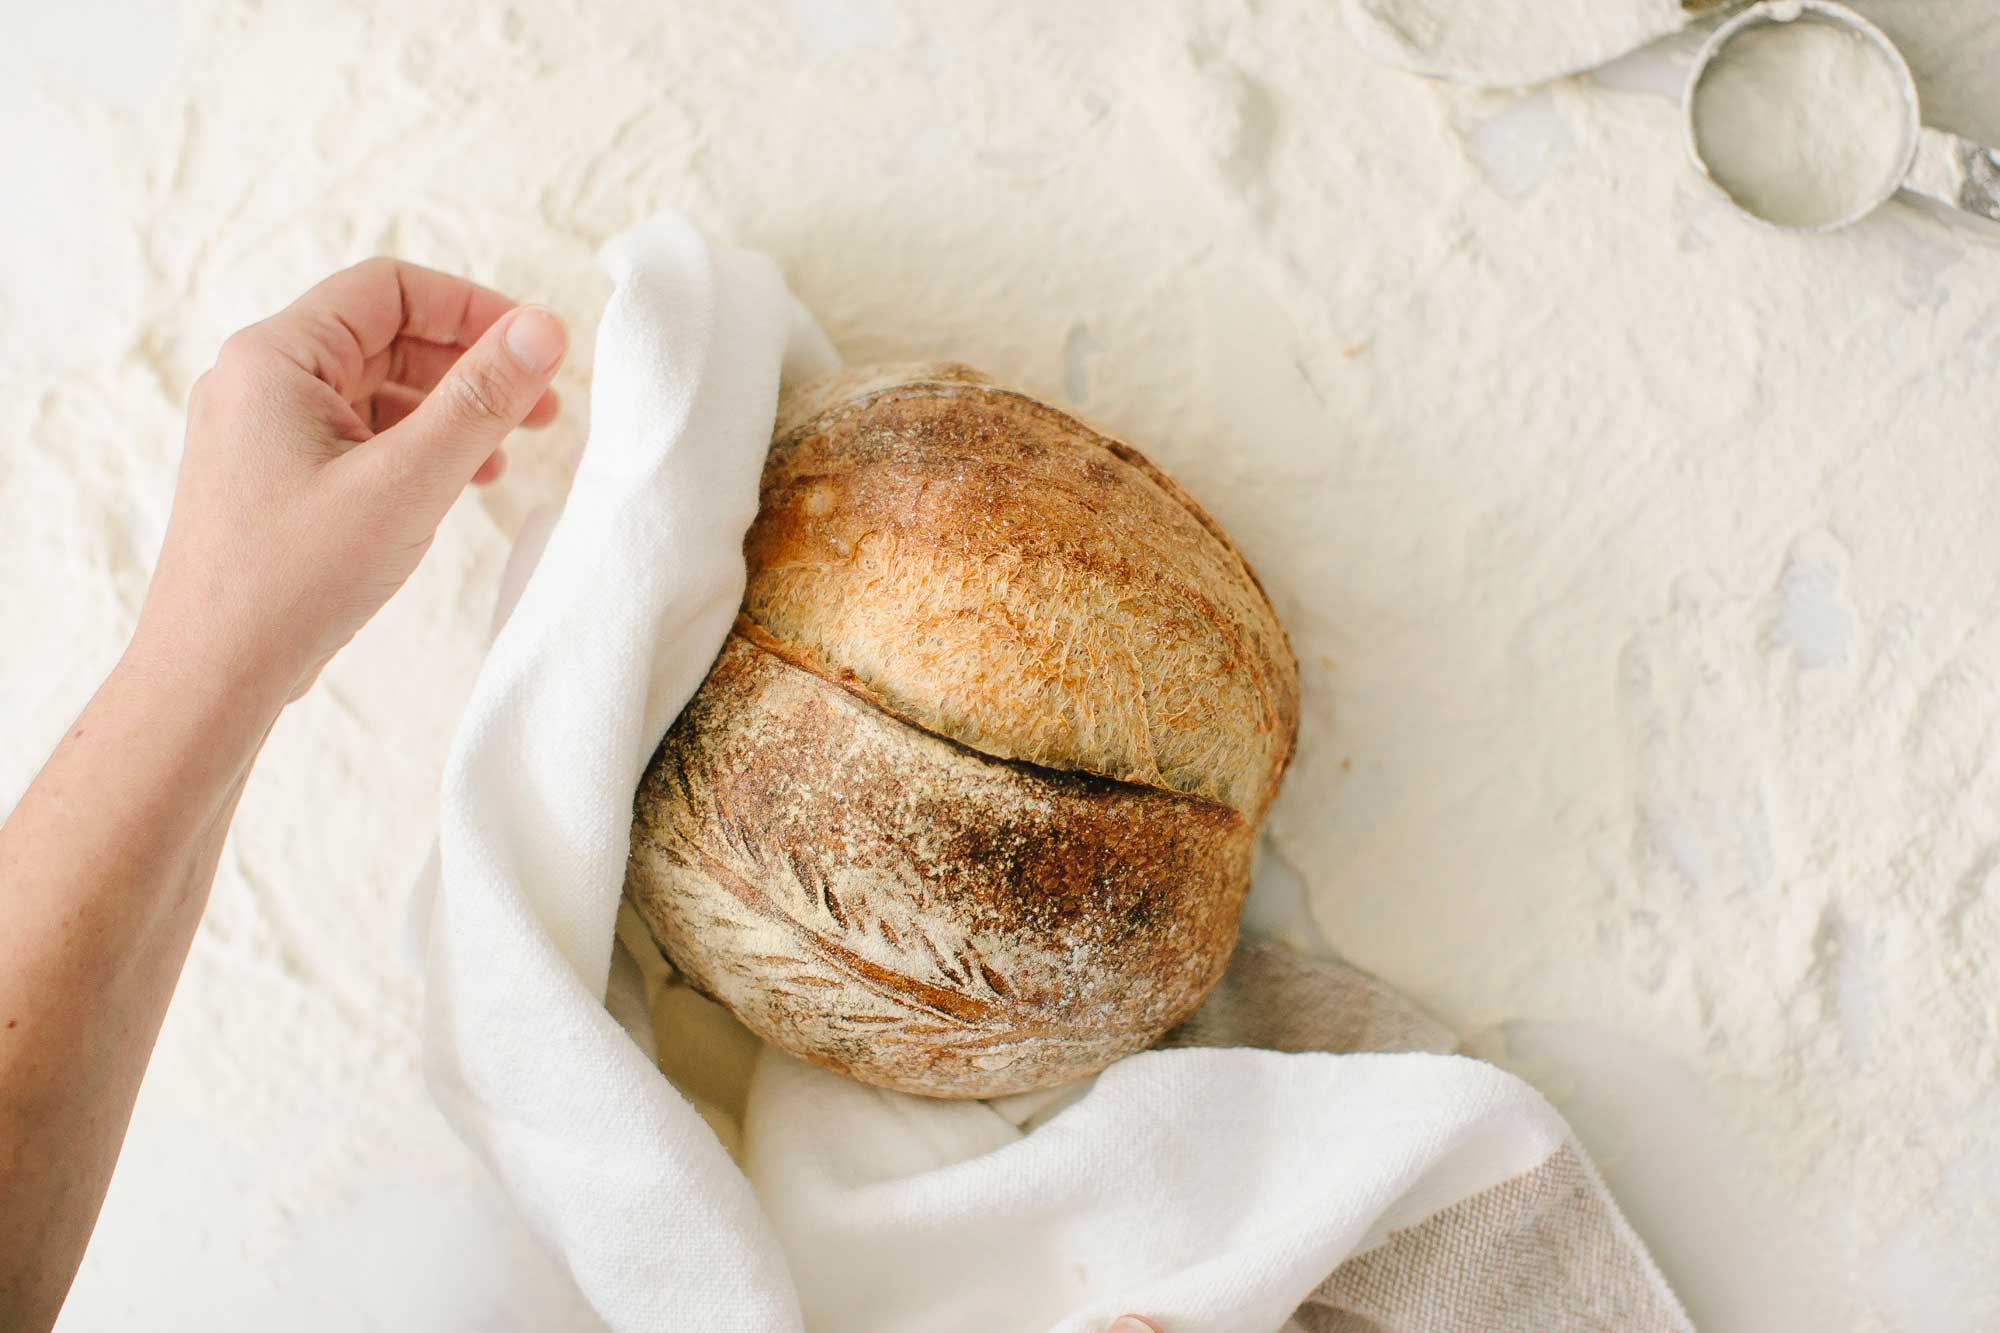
(1547, 1248)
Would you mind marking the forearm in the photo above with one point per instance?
(105, 866)
(323, 448)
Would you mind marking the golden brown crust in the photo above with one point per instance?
(1001, 574)
(896, 907)
(966, 805)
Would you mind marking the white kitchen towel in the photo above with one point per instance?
(638, 584)
(1223, 1190)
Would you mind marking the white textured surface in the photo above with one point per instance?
(1640, 559)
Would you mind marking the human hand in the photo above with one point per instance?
(323, 450)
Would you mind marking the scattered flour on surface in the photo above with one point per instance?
(1639, 559)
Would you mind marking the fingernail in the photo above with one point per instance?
(1131, 1324)
(535, 339)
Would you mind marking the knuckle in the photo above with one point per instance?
(242, 355)
(208, 396)
(376, 266)
(481, 391)
(239, 348)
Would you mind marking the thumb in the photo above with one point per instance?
(484, 395)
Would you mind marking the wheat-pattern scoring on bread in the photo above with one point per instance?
(967, 802)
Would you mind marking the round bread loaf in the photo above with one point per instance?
(966, 805)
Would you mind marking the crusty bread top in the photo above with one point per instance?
(994, 571)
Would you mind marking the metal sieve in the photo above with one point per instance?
(1939, 166)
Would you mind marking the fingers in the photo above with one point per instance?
(412, 364)
(344, 330)
(1132, 1323)
(451, 436)
(392, 405)
(492, 469)
(409, 362)
(546, 409)
(393, 402)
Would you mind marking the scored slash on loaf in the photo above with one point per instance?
(966, 804)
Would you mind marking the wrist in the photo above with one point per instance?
(223, 694)
(153, 766)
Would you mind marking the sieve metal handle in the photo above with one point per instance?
(1956, 172)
